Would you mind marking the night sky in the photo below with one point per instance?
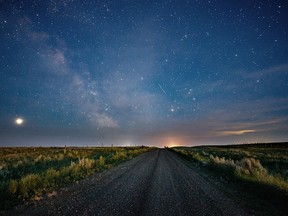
(143, 72)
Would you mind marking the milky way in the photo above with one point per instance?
(143, 72)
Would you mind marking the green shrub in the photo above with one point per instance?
(74, 171)
(86, 163)
(101, 161)
(198, 157)
(50, 178)
(13, 186)
(192, 155)
(119, 156)
(29, 185)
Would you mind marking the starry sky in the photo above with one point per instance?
(143, 72)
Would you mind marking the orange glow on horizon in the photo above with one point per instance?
(173, 142)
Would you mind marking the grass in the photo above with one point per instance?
(260, 169)
(31, 173)
(266, 165)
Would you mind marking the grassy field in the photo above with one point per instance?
(255, 173)
(30, 173)
(266, 164)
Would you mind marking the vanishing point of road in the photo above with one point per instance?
(154, 183)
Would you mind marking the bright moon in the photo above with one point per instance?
(19, 121)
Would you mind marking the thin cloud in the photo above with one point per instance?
(283, 68)
(239, 132)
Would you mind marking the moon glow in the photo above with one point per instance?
(19, 121)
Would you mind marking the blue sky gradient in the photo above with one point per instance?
(143, 72)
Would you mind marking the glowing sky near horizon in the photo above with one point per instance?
(143, 72)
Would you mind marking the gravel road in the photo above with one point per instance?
(154, 183)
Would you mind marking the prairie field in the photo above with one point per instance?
(28, 173)
(263, 165)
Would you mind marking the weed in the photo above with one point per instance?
(12, 187)
(101, 161)
(29, 185)
(250, 167)
(119, 156)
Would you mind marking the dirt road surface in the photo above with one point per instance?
(154, 183)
